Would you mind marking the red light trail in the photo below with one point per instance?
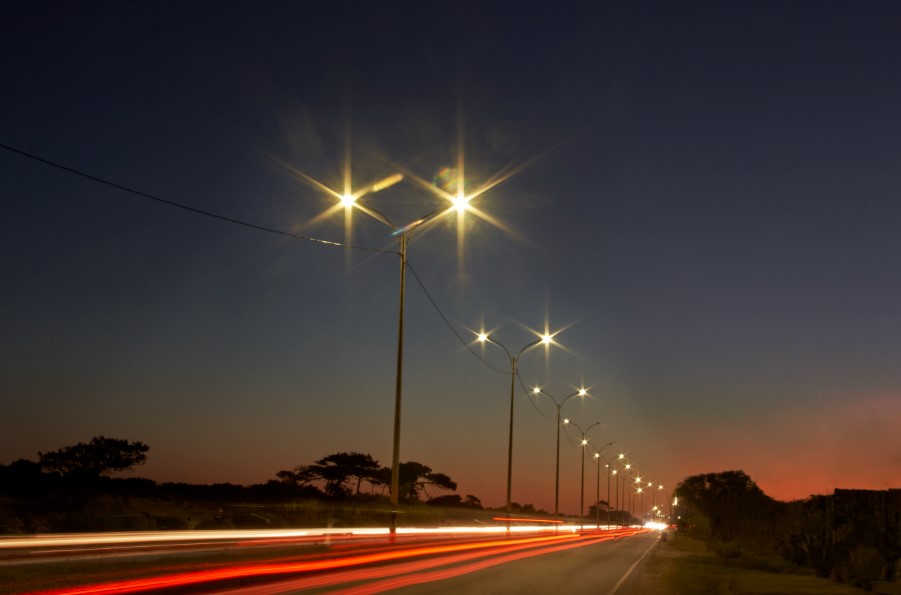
(443, 554)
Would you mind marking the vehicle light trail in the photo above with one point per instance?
(445, 552)
(144, 537)
(411, 573)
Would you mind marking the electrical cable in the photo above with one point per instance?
(448, 323)
(186, 207)
(531, 400)
(227, 219)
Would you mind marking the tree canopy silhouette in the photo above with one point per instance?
(345, 471)
(100, 456)
(732, 502)
(416, 479)
(342, 474)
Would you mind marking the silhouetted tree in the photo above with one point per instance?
(100, 456)
(823, 544)
(446, 500)
(343, 471)
(471, 501)
(455, 500)
(732, 502)
(18, 475)
(593, 509)
(300, 476)
(522, 508)
(416, 478)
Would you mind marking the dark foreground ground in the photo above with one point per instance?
(682, 565)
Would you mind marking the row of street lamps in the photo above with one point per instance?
(402, 234)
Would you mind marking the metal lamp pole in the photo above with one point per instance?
(626, 467)
(395, 451)
(559, 405)
(514, 359)
(597, 496)
(583, 444)
(402, 235)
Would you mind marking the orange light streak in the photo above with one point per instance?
(408, 578)
(401, 572)
(260, 570)
(516, 520)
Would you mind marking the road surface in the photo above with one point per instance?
(592, 561)
(598, 567)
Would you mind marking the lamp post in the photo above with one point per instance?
(640, 504)
(597, 497)
(402, 235)
(647, 516)
(559, 405)
(621, 474)
(632, 495)
(616, 492)
(583, 444)
(545, 339)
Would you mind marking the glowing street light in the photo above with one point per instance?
(597, 497)
(583, 444)
(635, 490)
(620, 474)
(546, 339)
(402, 235)
(582, 392)
(350, 201)
(640, 492)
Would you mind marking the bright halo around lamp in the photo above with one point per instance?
(461, 203)
(348, 200)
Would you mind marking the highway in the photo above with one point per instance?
(264, 563)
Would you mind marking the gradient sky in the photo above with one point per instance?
(706, 196)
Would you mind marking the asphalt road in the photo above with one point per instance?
(601, 562)
(599, 568)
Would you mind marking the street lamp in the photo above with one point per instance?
(654, 494)
(545, 339)
(583, 444)
(640, 492)
(597, 497)
(582, 392)
(621, 474)
(631, 496)
(616, 492)
(402, 236)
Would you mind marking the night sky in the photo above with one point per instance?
(703, 197)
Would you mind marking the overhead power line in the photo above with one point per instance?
(235, 221)
(185, 207)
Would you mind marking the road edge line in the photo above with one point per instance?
(631, 568)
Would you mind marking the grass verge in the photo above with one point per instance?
(683, 565)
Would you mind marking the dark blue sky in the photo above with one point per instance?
(705, 194)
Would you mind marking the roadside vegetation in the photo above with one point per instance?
(81, 488)
(733, 538)
(685, 565)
